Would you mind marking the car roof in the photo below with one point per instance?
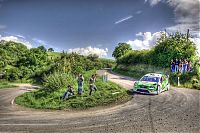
(154, 74)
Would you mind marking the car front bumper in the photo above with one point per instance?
(143, 91)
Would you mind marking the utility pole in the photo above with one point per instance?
(188, 34)
(165, 33)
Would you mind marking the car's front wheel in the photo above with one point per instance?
(168, 87)
(158, 90)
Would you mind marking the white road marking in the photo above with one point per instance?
(33, 124)
(12, 101)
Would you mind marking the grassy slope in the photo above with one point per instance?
(6, 85)
(54, 55)
(103, 96)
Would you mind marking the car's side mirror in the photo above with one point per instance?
(168, 76)
(161, 80)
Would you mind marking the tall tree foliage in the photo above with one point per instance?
(121, 49)
(175, 46)
(167, 48)
(21, 63)
(50, 50)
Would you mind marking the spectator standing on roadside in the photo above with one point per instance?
(95, 77)
(185, 65)
(180, 66)
(105, 77)
(92, 85)
(189, 69)
(80, 84)
(177, 65)
(172, 66)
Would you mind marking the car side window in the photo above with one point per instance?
(161, 79)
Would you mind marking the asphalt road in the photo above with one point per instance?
(176, 110)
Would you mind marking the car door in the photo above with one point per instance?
(164, 82)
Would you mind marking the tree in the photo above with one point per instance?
(42, 48)
(50, 50)
(121, 50)
(93, 57)
(175, 46)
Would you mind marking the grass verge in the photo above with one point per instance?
(4, 85)
(107, 93)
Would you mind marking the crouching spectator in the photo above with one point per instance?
(69, 92)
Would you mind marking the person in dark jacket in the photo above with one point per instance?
(185, 65)
(92, 85)
(177, 62)
(172, 66)
(80, 81)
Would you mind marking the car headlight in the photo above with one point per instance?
(152, 87)
(134, 89)
(136, 83)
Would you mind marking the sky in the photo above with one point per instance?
(96, 26)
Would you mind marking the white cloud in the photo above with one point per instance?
(187, 14)
(16, 39)
(147, 41)
(197, 42)
(139, 34)
(20, 36)
(138, 12)
(41, 42)
(123, 19)
(90, 50)
(153, 2)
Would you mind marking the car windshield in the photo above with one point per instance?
(150, 79)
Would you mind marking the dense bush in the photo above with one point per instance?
(22, 64)
(189, 80)
(57, 81)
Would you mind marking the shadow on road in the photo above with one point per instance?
(130, 92)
